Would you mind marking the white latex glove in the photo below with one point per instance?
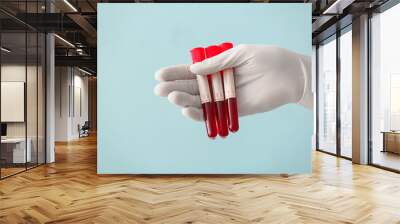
(266, 77)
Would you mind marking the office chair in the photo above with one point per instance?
(84, 130)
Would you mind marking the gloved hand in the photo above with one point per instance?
(266, 77)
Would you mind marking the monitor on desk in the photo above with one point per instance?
(3, 130)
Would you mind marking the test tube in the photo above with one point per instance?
(218, 94)
(230, 93)
(198, 55)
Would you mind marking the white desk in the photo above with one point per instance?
(18, 150)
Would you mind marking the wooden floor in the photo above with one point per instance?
(5, 172)
(69, 191)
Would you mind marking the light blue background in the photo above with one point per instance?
(140, 133)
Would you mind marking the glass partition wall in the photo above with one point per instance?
(22, 91)
(385, 89)
(334, 94)
(345, 62)
(13, 88)
(327, 95)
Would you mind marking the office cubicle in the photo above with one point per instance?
(22, 91)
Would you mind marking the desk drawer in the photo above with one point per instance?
(392, 142)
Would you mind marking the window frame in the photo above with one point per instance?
(335, 36)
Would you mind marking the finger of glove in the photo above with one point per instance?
(193, 113)
(184, 99)
(188, 86)
(172, 73)
(227, 59)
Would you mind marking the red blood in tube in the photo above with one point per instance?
(209, 118)
(222, 118)
(233, 119)
(198, 55)
(233, 115)
(218, 95)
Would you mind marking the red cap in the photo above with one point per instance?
(225, 46)
(198, 54)
(212, 50)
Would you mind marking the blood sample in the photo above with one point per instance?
(218, 94)
(198, 55)
(230, 93)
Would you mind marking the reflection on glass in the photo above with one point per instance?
(386, 89)
(327, 97)
(41, 99)
(14, 150)
(22, 91)
(31, 100)
(346, 94)
(394, 102)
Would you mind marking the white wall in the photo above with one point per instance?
(69, 112)
(15, 72)
(33, 127)
(62, 82)
(80, 109)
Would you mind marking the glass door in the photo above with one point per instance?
(385, 89)
(346, 92)
(327, 96)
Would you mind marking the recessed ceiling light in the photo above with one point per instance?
(338, 6)
(70, 5)
(65, 41)
(84, 71)
(5, 50)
